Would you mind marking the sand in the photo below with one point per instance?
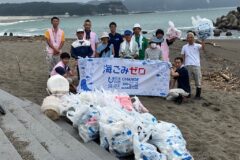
(211, 126)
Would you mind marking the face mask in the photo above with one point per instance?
(153, 45)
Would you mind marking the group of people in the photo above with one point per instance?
(131, 45)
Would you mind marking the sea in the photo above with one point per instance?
(32, 26)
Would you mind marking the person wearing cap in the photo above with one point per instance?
(140, 39)
(115, 38)
(105, 49)
(129, 48)
(191, 57)
(81, 47)
(90, 36)
(153, 52)
(164, 44)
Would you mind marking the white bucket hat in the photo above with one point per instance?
(137, 25)
(104, 35)
(80, 30)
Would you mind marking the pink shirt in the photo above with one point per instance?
(93, 40)
(56, 38)
(59, 64)
(165, 51)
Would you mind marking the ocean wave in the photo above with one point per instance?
(16, 22)
(34, 29)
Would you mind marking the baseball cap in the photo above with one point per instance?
(127, 33)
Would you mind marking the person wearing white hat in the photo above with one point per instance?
(105, 49)
(81, 47)
(140, 39)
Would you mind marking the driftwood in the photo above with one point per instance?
(19, 68)
(223, 80)
(227, 78)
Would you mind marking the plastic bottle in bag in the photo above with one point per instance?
(203, 27)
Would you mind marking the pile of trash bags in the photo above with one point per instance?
(203, 27)
(123, 125)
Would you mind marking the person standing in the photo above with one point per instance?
(164, 44)
(115, 38)
(129, 48)
(105, 49)
(81, 47)
(55, 40)
(191, 56)
(90, 36)
(140, 39)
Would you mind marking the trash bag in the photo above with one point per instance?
(169, 140)
(117, 138)
(138, 106)
(88, 124)
(174, 93)
(69, 101)
(203, 27)
(75, 114)
(58, 85)
(125, 102)
(108, 116)
(146, 151)
(51, 107)
(148, 119)
(173, 32)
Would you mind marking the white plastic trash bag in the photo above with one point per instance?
(169, 140)
(88, 126)
(173, 32)
(69, 101)
(75, 114)
(203, 27)
(174, 93)
(51, 107)
(146, 151)
(138, 106)
(58, 85)
(118, 137)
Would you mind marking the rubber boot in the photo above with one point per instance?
(198, 93)
(179, 99)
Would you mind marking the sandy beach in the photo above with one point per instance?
(211, 126)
